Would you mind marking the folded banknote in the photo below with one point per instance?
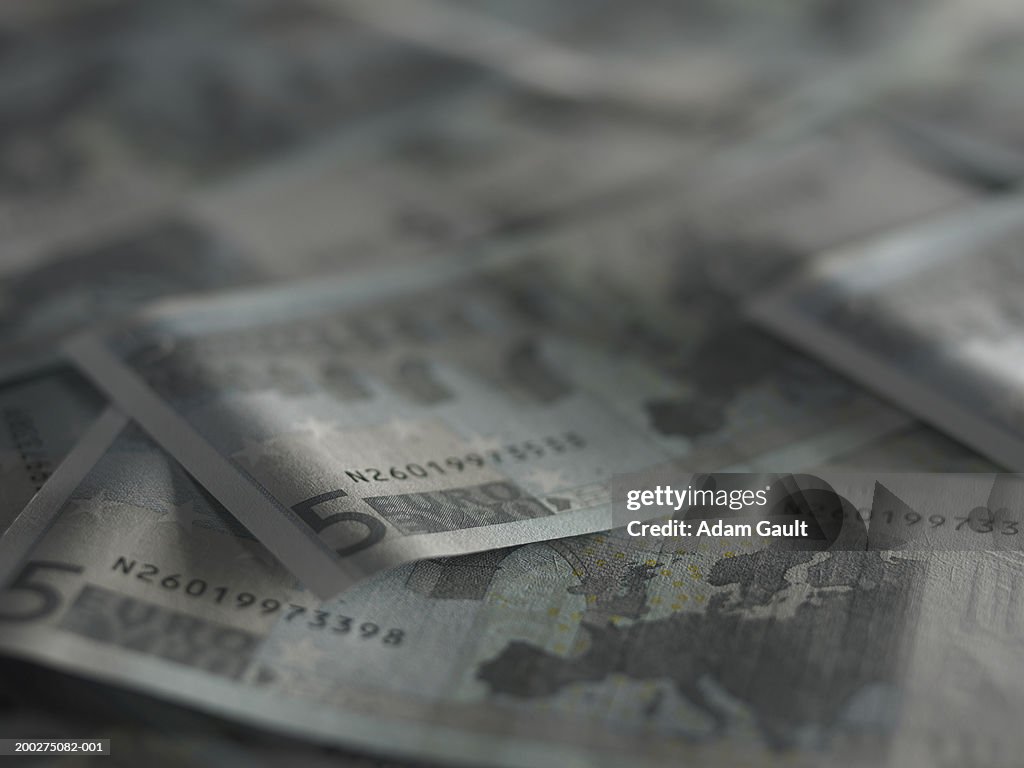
(930, 316)
(355, 425)
(242, 233)
(601, 648)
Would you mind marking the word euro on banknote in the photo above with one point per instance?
(355, 425)
(931, 317)
(595, 649)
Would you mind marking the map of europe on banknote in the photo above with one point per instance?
(930, 316)
(355, 425)
(598, 648)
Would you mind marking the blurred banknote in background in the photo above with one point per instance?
(114, 109)
(325, 326)
(931, 316)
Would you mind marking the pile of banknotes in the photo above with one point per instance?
(326, 325)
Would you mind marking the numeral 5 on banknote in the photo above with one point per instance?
(352, 426)
(419, 415)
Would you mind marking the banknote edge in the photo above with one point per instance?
(400, 738)
(328, 574)
(277, 528)
(775, 314)
(42, 511)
